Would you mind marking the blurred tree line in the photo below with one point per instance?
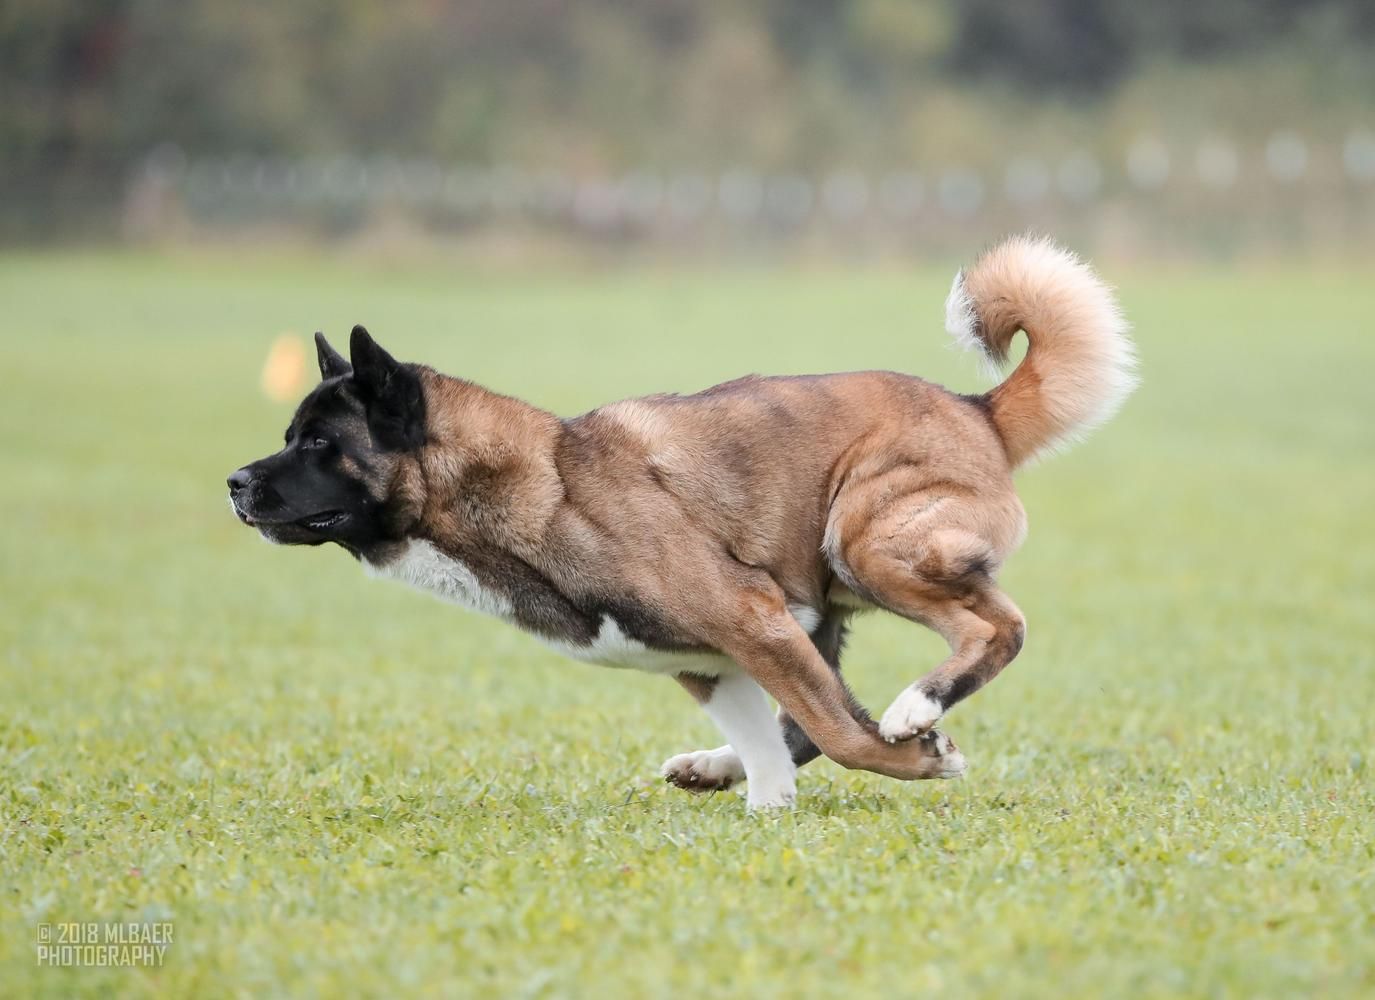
(87, 87)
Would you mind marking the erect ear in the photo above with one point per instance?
(391, 393)
(332, 363)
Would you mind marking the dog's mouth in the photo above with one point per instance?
(322, 521)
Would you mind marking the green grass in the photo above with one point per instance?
(333, 785)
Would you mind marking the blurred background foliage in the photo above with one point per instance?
(595, 89)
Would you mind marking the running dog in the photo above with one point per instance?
(727, 537)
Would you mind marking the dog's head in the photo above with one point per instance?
(330, 481)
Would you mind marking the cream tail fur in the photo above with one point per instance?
(1080, 365)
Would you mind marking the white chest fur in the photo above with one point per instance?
(426, 568)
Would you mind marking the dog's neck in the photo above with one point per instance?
(487, 468)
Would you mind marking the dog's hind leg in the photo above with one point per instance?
(985, 632)
(936, 571)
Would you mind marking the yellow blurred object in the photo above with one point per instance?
(284, 372)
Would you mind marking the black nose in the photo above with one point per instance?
(239, 479)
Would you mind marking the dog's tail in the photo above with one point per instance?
(1079, 365)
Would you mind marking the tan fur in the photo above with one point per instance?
(718, 511)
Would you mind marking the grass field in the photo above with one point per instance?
(333, 785)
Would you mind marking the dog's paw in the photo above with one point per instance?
(949, 761)
(704, 770)
(770, 795)
(912, 713)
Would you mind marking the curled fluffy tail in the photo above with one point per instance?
(1079, 365)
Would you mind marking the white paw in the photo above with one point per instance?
(776, 798)
(912, 713)
(704, 770)
(772, 793)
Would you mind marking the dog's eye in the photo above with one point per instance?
(314, 443)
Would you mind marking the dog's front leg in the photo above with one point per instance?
(755, 748)
(773, 649)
